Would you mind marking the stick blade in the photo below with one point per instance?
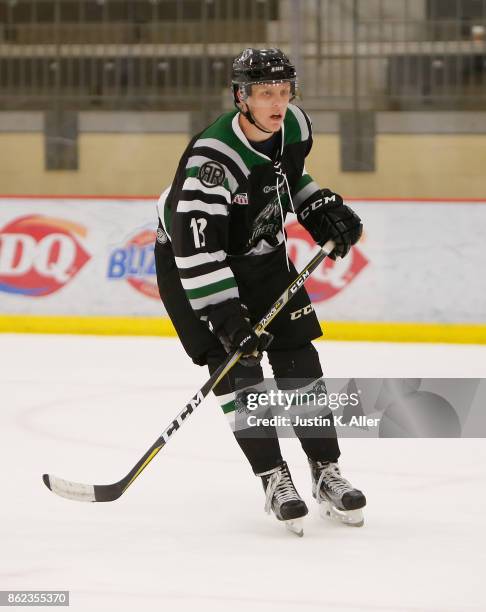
(77, 491)
(70, 490)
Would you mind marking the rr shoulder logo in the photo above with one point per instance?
(39, 255)
(135, 262)
(330, 277)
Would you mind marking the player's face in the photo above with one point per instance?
(268, 104)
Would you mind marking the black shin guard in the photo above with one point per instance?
(262, 452)
(260, 443)
(319, 442)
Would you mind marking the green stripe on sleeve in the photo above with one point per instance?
(292, 128)
(304, 180)
(210, 289)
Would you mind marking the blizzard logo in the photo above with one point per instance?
(39, 255)
(134, 262)
(241, 199)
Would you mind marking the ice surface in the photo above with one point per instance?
(191, 533)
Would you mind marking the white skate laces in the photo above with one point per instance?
(336, 496)
(281, 487)
(334, 481)
(282, 497)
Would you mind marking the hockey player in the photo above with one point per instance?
(221, 259)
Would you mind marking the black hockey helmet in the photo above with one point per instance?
(254, 66)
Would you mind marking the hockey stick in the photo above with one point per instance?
(105, 493)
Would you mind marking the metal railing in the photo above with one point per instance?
(176, 54)
(397, 54)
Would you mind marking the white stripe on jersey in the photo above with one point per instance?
(194, 184)
(215, 298)
(299, 115)
(217, 145)
(225, 399)
(185, 206)
(207, 279)
(305, 192)
(198, 260)
(161, 205)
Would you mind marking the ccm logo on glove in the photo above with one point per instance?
(330, 219)
(317, 204)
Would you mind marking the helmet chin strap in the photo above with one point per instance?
(247, 114)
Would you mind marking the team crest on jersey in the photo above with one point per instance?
(267, 224)
(211, 174)
(241, 198)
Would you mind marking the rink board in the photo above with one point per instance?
(161, 326)
(86, 265)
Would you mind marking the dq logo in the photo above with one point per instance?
(330, 277)
(135, 263)
(39, 255)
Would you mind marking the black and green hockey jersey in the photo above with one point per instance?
(229, 200)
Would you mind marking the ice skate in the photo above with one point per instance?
(283, 499)
(337, 498)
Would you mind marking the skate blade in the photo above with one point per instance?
(295, 526)
(352, 518)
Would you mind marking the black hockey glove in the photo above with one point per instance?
(328, 218)
(231, 324)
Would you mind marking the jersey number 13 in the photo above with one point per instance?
(198, 226)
